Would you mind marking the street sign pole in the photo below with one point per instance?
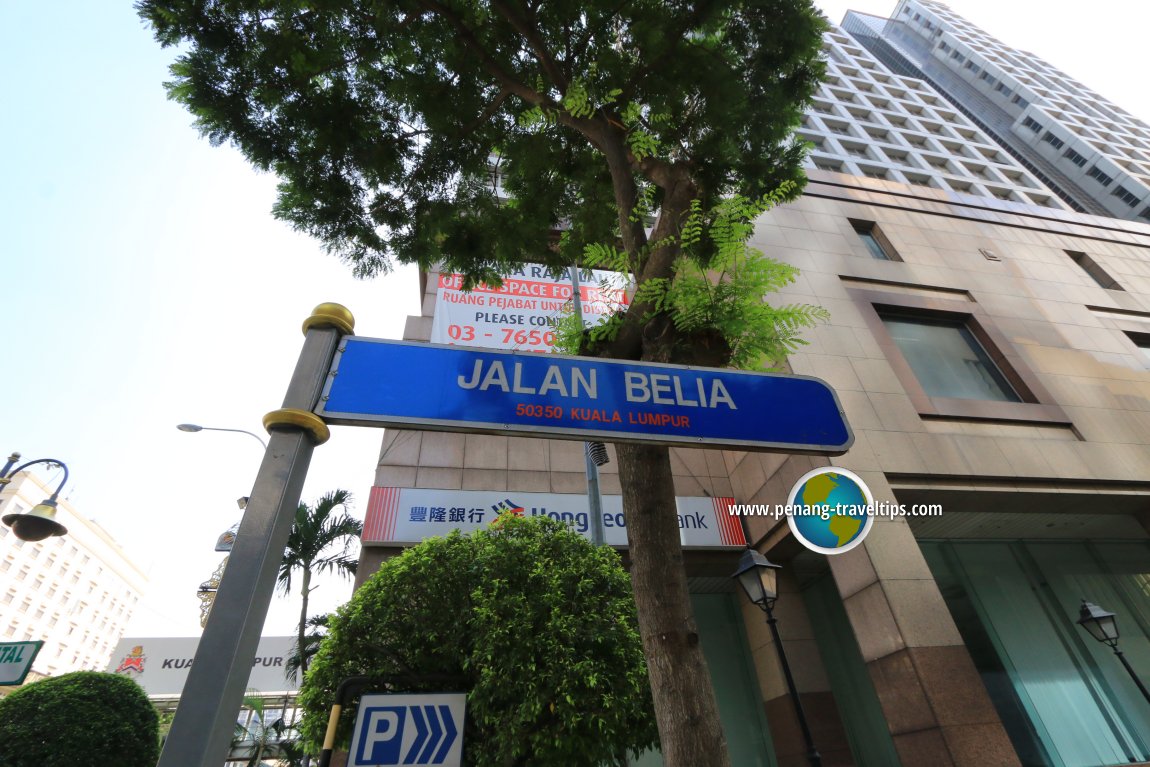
(205, 719)
(594, 497)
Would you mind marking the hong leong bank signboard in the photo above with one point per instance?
(404, 515)
(427, 386)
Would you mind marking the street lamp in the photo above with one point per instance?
(192, 427)
(40, 522)
(1103, 626)
(759, 578)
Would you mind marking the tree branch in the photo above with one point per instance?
(531, 34)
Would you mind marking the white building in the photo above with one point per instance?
(871, 120)
(75, 593)
(1093, 154)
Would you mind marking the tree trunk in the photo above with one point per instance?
(303, 623)
(685, 707)
(306, 579)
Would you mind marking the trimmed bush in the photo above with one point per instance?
(83, 718)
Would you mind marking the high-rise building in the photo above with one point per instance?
(989, 342)
(76, 593)
(1091, 153)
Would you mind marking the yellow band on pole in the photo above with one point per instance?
(303, 419)
(332, 721)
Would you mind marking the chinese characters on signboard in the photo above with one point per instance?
(408, 515)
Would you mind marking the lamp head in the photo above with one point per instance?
(759, 578)
(189, 427)
(1101, 624)
(38, 524)
(597, 452)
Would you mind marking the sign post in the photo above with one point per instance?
(408, 729)
(16, 660)
(424, 386)
(206, 716)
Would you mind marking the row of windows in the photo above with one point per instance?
(1101, 177)
(1125, 195)
(952, 355)
(879, 247)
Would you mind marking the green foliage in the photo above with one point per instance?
(534, 623)
(296, 660)
(719, 284)
(381, 118)
(259, 738)
(314, 534)
(86, 717)
(311, 548)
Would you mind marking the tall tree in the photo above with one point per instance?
(649, 132)
(320, 542)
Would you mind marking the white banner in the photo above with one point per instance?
(404, 515)
(521, 315)
(160, 665)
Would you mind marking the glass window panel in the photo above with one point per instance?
(873, 246)
(1074, 723)
(948, 360)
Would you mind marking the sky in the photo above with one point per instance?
(145, 282)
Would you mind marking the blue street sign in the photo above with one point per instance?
(426, 386)
(408, 729)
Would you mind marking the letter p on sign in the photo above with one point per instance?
(382, 735)
(423, 728)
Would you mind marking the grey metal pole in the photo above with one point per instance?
(206, 716)
(594, 498)
(813, 757)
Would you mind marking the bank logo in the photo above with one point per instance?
(829, 510)
(508, 506)
(133, 662)
(407, 729)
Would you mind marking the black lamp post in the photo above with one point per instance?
(1103, 626)
(759, 578)
(40, 522)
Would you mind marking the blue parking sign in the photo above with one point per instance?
(408, 729)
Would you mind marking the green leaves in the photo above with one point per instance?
(531, 620)
(86, 717)
(374, 115)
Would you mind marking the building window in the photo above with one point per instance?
(1097, 174)
(876, 243)
(1074, 157)
(1142, 341)
(1096, 272)
(946, 357)
(1125, 195)
(1053, 140)
(1030, 122)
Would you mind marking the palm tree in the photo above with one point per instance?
(318, 625)
(259, 739)
(316, 530)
